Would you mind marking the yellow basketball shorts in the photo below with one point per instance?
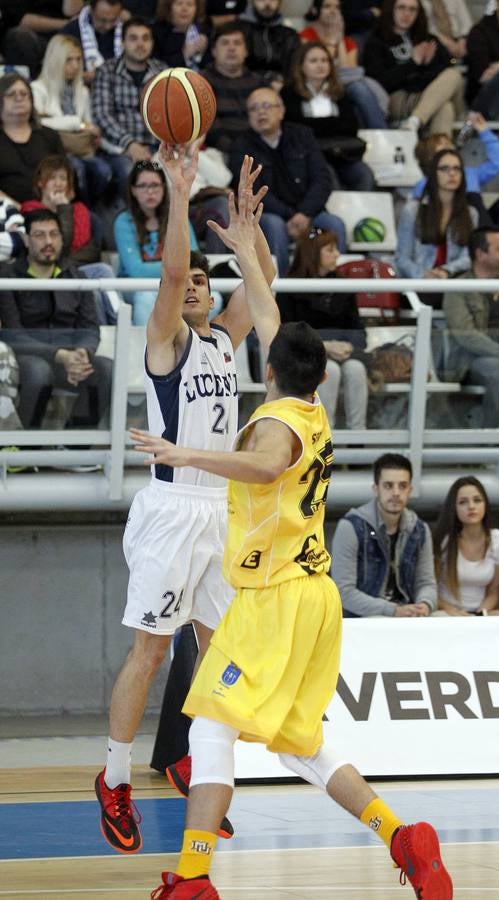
(273, 663)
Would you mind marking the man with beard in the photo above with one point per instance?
(116, 100)
(383, 552)
(271, 45)
(54, 333)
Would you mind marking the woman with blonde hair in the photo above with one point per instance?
(467, 551)
(63, 103)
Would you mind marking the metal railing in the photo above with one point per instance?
(120, 475)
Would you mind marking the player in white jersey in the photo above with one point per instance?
(175, 533)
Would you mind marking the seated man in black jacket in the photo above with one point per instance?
(295, 170)
(54, 334)
(271, 44)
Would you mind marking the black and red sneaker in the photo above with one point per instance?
(179, 776)
(119, 816)
(416, 851)
(185, 888)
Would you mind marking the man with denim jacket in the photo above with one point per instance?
(383, 552)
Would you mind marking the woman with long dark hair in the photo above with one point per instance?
(313, 96)
(433, 232)
(336, 316)
(467, 551)
(366, 94)
(425, 88)
(140, 230)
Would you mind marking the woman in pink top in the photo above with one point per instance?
(467, 552)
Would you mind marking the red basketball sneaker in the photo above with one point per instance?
(178, 888)
(119, 816)
(416, 851)
(179, 776)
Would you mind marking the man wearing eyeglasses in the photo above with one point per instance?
(55, 335)
(295, 170)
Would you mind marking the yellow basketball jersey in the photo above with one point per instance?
(276, 531)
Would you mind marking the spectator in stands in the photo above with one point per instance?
(473, 322)
(54, 334)
(337, 318)
(328, 27)
(415, 68)
(483, 66)
(30, 27)
(360, 18)
(54, 189)
(23, 143)
(467, 551)
(219, 12)
(295, 170)
(475, 177)
(63, 103)
(98, 29)
(180, 37)
(232, 83)
(116, 100)
(11, 231)
(434, 232)
(271, 44)
(382, 551)
(450, 21)
(139, 232)
(313, 96)
(209, 198)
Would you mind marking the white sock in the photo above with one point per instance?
(119, 763)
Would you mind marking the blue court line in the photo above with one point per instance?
(264, 820)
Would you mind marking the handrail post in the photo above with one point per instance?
(119, 402)
(417, 396)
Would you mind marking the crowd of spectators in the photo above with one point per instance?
(291, 92)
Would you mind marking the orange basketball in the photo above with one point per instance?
(178, 105)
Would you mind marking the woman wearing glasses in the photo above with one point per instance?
(433, 232)
(426, 90)
(337, 318)
(23, 143)
(139, 232)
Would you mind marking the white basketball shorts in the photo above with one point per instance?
(174, 544)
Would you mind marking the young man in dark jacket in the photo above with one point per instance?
(54, 333)
(383, 552)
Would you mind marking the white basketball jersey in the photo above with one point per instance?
(195, 405)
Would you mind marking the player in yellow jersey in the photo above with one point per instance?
(272, 665)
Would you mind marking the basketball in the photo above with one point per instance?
(178, 105)
(369, 229)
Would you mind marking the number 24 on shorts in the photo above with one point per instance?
(172, 605)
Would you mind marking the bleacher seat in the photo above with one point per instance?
(352, 206)
(390, 155)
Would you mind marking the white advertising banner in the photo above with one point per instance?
(415, 697)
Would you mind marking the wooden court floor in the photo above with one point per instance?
(291, 841)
